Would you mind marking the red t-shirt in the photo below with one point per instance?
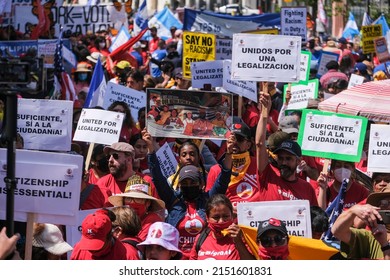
(215, 249)
(146, 222)
(115, 252)
(354, 195)
(251, 116)
(132, 252)
(273, 187)
(191, 225)
(153, 44)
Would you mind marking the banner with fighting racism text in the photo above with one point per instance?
(379, 148)
(134, 98)
(260, 57)
(331, 135)
(188, 113)
(296, 214)
(207, 72)
(98, 126)
(45, 124)
(197, 47)
(293, 22)
(301, 93)
(48, 184)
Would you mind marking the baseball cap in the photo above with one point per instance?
(190, 172)
(164, 235)
(342, 40)
(361, 67)
(291, 147)
(270, 224)
(276, 138)
(178, 73)
(239, 127)
(94, 230)
(289, 124)
(123, 64)
(120, 147)
(49, 237)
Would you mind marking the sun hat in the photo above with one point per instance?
(120, 147)
(51, 240)
(270, 224)
(94, 57)
(374, 199)
(83, 67)
(162, 234)
(137, 187)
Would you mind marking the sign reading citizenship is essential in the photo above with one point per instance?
(379, 148)
(207, 72)
(333, 136)
(45, 124)
(301, 93)
(197, 47)
(261, 57)
(369, 34)
(296, 214)
(47, 183)
(293, 21)
(99, 126)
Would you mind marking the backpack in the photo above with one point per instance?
(202, 237)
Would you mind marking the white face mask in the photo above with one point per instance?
(342, 173)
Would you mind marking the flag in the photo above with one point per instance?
(164, 20)
(142, 17)
(351, 29)
(122, 37)
(367, 20)
(97, 87)
(333, 211)
(385, 27)
(43, 22)
(321, 14)
(64, 82)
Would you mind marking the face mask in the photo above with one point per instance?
(274, 253)
(190, 193)
(102, 45)
(218, 227)
(103, 164)
(139, 208)
(83, 76)
(342, 173)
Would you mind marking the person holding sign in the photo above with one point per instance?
(282, 182)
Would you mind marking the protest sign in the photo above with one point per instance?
(381, 49)
(260, 57)
(197, 47)
(188, 114)
(293, 21)
(355, 80)
(207, 72)
(73, 233)
(273, 31)
(45, 124)
(379, 148)
(47, 183)
(167, 160)
(330, 135)
(134, 98)
(325, 57)
(98, 126)
(224, 48)
(246, 89)
(296, 214)
(369, 34)
(304, 69)
(47, 49)
(301, 93)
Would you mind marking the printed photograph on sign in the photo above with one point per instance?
(188, 114)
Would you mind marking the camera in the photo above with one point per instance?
(14, 72)
(385, 216)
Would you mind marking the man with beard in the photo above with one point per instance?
(281, 182)
(243, 183)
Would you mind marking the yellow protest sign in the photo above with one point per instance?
(370, 33)
(273, 31)
(197, 47)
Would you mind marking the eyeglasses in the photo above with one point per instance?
(114, 155)
(267, 241)
(128, 200)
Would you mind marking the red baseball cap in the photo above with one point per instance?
(94, 231)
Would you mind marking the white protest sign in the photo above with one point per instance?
(73, 233)
(296, 214)
(207, 72)
(47, 183)
(69, 56)
(330, 135)
(246, 89)
(46, 48)
(323, 60)
(98, 126)
(379, 148)
(304, 68)
(263, 57)
(224, 49)
(167, 160)
(301, 93)
(355, 80)
(293, 21)
(134, 98)
(45, 124)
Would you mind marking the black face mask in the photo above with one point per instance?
(190, 193)
(103, 164)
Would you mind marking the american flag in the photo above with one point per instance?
(334, 210)
(63, 84)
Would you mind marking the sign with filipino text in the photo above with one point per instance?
(304, 69)
(323, 60)
(246, 89)
(207, 72)
(197, 47)
(295, 213)
(260, 57)
(293, 21)
(369, 34)
(45, 124)
(301, 93)
(134, 98)
(167, 160)
(333, 136)
(99, 126)
(379, 148)
(355, 80)
(47, 183)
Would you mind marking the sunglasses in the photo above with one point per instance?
(267, 241)
(114, 155)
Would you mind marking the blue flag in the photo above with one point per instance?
(97, 87)
(351, 29)
(142, 18)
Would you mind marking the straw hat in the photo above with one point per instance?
(83, 67)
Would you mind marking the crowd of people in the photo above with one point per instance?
(140, 214)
